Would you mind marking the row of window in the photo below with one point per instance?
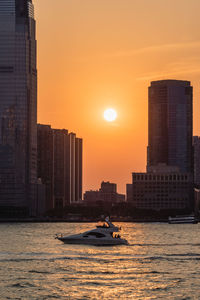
(158, 200)
(160, 177)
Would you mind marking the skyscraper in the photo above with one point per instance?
(168, 183)
(60, 166)
(45, 165)
(170, 124)
(18, 105)
(78, 169)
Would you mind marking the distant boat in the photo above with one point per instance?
(103, 235)
(190, 219)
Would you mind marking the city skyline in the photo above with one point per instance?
(103, 104)
(98, 54)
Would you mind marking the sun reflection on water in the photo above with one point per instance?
(160, 261)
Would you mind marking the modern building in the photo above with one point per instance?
(196, 146)
(78, 169)
(60, 166)
(107, 194)
(45, 161)
(161, 190)
(168, 183)
(170, 109)
(197, 201)
(18, 107)
(129, 192)
(108, 187)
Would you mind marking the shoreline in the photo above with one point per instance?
(58, 220)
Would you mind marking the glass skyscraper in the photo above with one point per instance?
(18, 105)
(170, 124)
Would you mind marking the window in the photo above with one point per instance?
(96, 234)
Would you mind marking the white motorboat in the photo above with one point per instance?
(183, 220)
(103, 235)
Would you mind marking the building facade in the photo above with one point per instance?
(196, 146)
(45, 161)
(18, 106)
(162, 190)
(169, 181)
(129, 192)
(107, 194)
(60, 166)
(170, 109)
(78, 169)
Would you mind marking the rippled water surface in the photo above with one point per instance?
(161, 262)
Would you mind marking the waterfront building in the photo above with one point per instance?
(170, 109)
(108, 187)
(168, 183)
(60, 166)
(196, 145)
(161, 189)
(18, 107)
(107, 194)
(78, 169)
(129, 192)
(45, 161)
(197, 201)
(72, 167)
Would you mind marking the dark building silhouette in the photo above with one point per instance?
(60, 166)
(162, 188)
(196, 145)
(107, 194)
(45, 161)
(129, 192)
(168, 183)
(18, 108)
(170, 124)
(78, 169)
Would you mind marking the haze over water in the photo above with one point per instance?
(161, 262)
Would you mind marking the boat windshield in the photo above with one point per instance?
(95, 234)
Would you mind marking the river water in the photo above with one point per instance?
(161, 262)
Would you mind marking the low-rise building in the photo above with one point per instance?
(107, 194)
(196, 145)
(162, 189)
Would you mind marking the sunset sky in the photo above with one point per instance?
(98, 54)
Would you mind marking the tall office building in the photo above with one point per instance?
(170, 124)
(78, 169)
(60, 166)
(18, 105)
(168, 183)
(45, 162)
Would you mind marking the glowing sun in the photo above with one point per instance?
(110, 115)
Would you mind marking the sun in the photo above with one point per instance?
(110, 115)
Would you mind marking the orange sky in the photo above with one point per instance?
(94, 54)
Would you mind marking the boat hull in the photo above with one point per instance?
(93, 241)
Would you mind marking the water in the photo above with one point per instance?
(161, 262)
